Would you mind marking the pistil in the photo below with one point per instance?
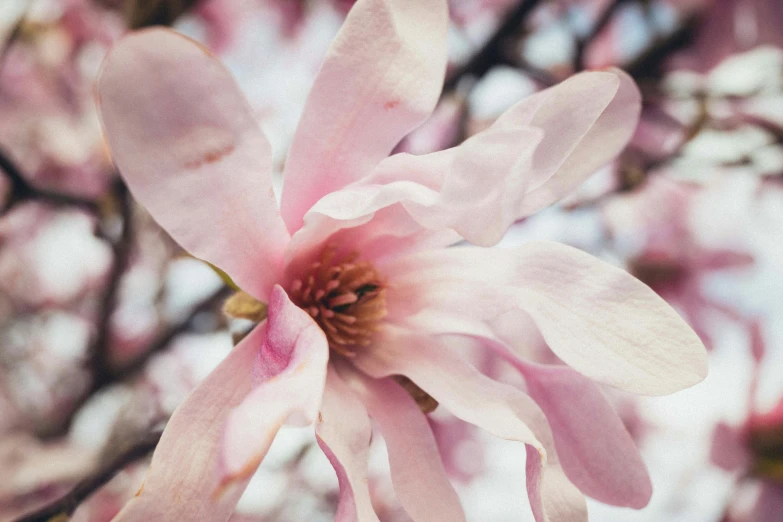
(345, 296)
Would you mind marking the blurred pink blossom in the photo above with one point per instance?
(49, 257)
(49, 119)
(754, 452)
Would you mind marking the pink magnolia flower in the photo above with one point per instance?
(361, 287)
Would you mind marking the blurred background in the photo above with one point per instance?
(105, 324)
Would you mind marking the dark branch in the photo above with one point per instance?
(648, 65)
(600, 24)
(98, 351)
(689, 132)
(21, 190)
(494, 51)
(65, 506)
(164, 339)
(112, 375)
(144, 13)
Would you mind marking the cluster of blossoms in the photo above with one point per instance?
(365, 291)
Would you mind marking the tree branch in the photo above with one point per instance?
(112, 375)
(648, 64)
(603, 20)
(22, 190)
(164, 339)
(65, 506)
(98, 351)
(493, 52)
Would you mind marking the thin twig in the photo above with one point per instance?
(689, 133)
(112, 375)
(164, 339)
(65, 506)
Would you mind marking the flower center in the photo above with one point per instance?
(345, 296)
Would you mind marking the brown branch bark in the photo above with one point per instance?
(98, 351)
(494, 50)
(22, 190)
(213, 302)
(65, 506)
(648, 65)
(600, 24)
(112, 375)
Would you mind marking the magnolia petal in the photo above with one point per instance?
(182, 480)
(594, 448)
(455, 384)
(483, 182)
(383, 215)
(286, 324)
(391, 233)
(186, 141)
(343, 432)
(372, 219)
(597, 318)
(537, 152)
(555, 499)
(587, 120)
(500, 409)
(381, 78)
(417, 471)
(297, 353)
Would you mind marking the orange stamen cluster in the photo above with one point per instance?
(346, 298)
